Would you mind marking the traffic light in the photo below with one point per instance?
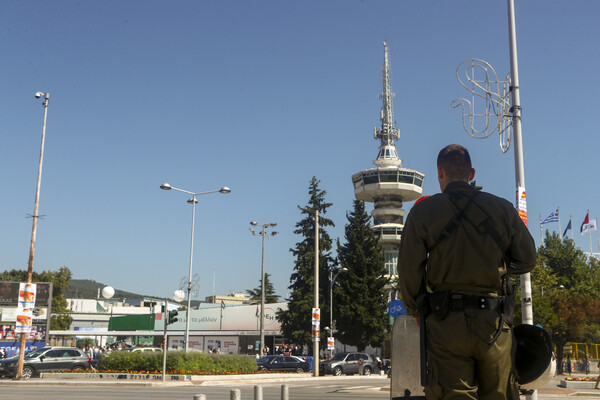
(172, 317)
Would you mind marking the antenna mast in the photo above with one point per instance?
(387, 133)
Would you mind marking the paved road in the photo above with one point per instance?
(330, 388)
(356, 388)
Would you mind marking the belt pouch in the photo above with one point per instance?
(440, 303)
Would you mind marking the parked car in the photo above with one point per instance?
(282, 363)
(45, 360)
(347, 363)
(146, 349)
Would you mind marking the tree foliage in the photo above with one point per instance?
(359, 297)
(296, 320)
(60, 318)
(566, 293)
(270, 296)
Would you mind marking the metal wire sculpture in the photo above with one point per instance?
(482, 81)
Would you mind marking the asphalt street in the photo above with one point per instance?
(347, 387)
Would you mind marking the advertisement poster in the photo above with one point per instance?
(316, 324)
(522, 204)
(25, 307)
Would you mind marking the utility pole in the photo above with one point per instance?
(35, 216)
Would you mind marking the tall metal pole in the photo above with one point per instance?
(262, 296)
(165, 341)
(331, 301)
(192, 201)
(316, 305)
(526, 306)
(35, 217)
(526, 303)
(186, 338)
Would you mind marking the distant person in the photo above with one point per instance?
(462, 244)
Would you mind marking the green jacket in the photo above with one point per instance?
(466, 261)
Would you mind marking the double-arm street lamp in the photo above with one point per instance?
(262, 233)
(192, 200)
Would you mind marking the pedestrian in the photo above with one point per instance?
(598, 378)
(463, 245)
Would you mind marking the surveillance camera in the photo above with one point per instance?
(38, 95)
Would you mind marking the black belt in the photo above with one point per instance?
(461, 302)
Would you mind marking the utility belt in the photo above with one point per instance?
(439, 304)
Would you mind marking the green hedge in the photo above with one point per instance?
(177, 361)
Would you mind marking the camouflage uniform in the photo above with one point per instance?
(467, 266)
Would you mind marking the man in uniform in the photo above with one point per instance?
(460, 246)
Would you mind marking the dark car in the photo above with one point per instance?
(282, 363)
(45, 360)
(347, 363)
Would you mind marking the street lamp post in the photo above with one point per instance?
(262, 279)
(35, 216)
(192, 200)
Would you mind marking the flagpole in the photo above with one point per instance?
(598, 237)
(541, 232)
(588, 216)
(571, 220)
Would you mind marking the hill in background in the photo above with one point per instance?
(88, 289)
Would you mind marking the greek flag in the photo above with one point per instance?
(553, 217)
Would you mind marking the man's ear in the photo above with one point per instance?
(440, 173)
(472, 174)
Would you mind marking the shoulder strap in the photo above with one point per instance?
(456, 219)
(478, 218)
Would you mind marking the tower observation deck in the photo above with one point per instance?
(388, 185)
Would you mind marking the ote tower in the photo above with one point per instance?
(388, 185)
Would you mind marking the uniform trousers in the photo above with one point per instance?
(460, 362)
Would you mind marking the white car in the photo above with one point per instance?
(145, 349)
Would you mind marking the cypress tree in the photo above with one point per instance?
(296, 321)
(359, 298)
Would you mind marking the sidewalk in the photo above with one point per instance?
(554, 390)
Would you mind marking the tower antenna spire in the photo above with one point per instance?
(387, 133)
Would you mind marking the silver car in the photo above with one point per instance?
(348, 363)
(45, 360)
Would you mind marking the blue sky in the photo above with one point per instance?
(260, 96)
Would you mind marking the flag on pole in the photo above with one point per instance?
(553, 217)
(567, 229)
(594, 224)
(222, 304)
(585, 226)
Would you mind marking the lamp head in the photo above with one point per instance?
(224, 190)
(165, 186)
(253, 223)
(274, 233)
(253, 231)
(273, 224)
(192, 200)
(38, 95)
(344, 269)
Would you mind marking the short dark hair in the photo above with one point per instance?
(454, 159)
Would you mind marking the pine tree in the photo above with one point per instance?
(270, 296)
(360, 298)
(296, 320)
